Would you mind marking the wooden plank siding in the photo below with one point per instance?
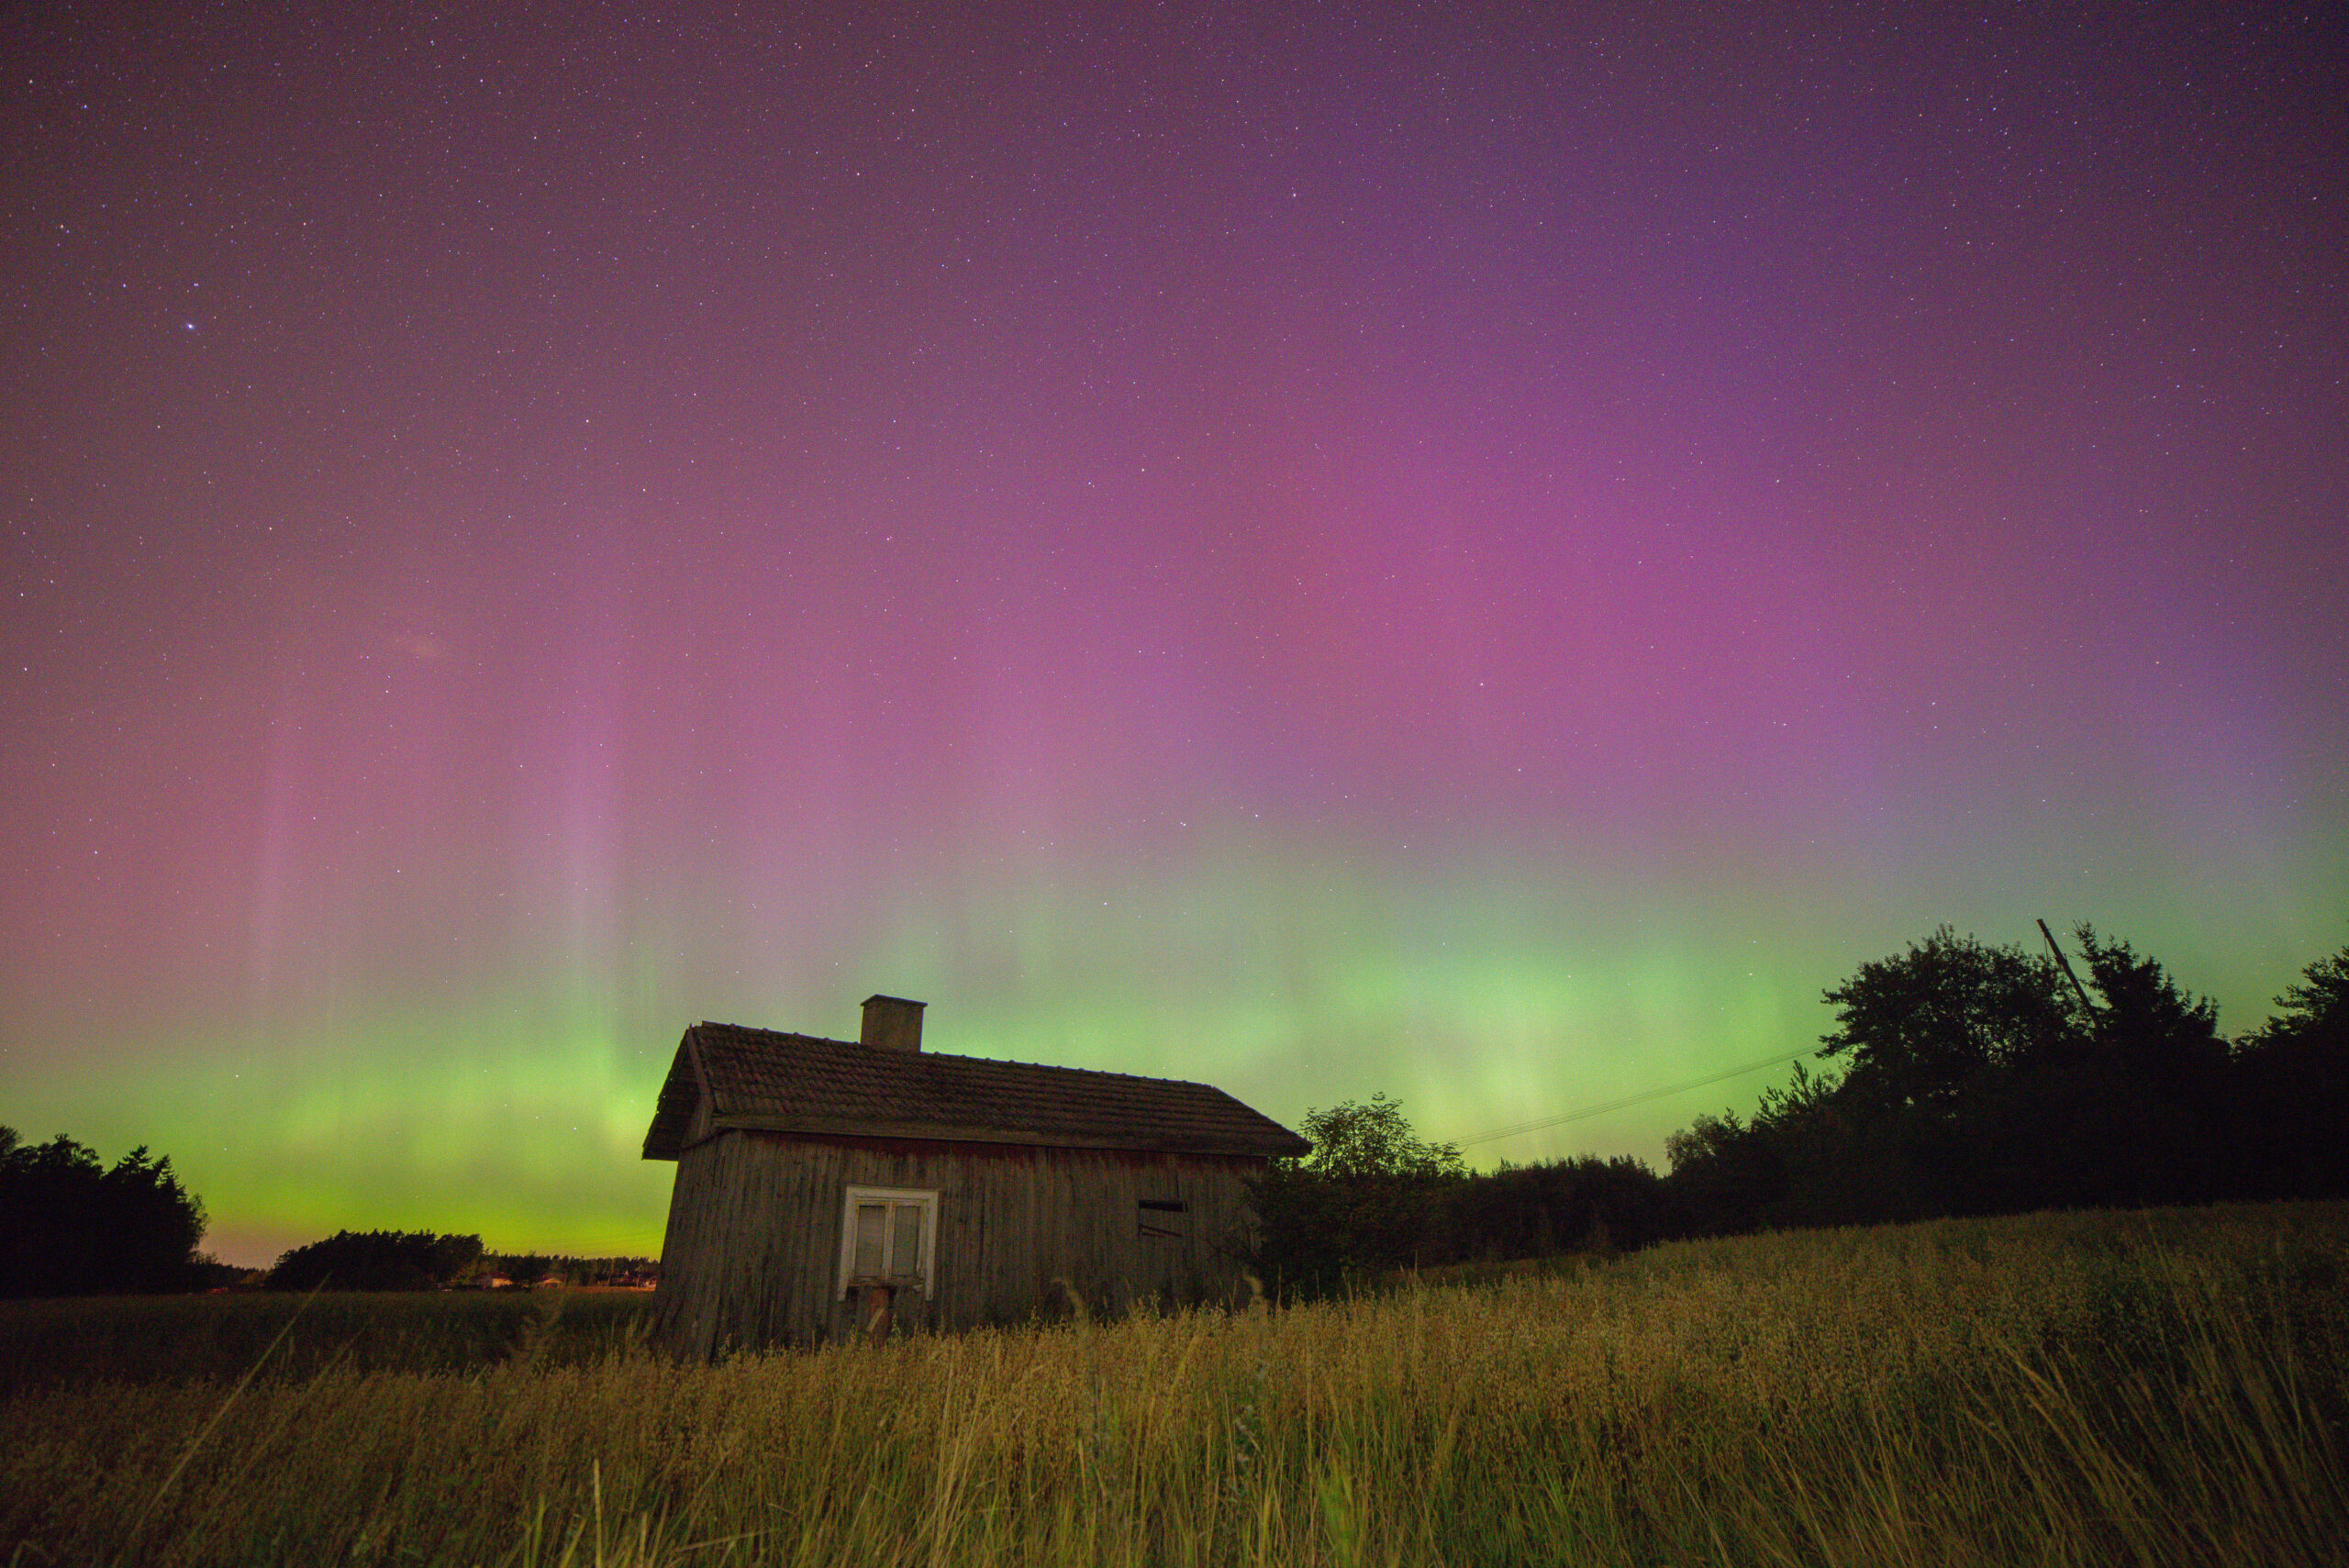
(751, 1255)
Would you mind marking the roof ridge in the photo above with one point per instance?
(957, 1056)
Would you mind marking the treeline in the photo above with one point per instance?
(1374, 1198)
(71, 1225)
(1964, 1078)
(376, 1260)
(1989, 1080)
(540, 1268)
(420, 1260)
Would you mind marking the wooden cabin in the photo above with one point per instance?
(828, 1187)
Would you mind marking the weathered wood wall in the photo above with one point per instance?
(751, 1256)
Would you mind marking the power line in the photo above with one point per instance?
(1633, 1099)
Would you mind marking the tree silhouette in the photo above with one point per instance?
(2318, 1012)
(1376, 1142)
(69, 1226)
(376, 1260)
(1581, 1205)
(2148, 1020)
(1977, 1081)
(1920, 1028)
(2296, 1086)
(1361, 1203)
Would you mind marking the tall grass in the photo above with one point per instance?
(2057, 1389)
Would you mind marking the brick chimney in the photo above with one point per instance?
(892, 1023)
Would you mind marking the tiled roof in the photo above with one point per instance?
(798, 1083)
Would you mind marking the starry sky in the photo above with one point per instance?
(1479, 552)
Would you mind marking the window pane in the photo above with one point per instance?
(872, 1230)
(906, 1257)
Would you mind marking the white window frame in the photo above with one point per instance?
(927, 1198)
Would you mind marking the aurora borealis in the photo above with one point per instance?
(1482, 556)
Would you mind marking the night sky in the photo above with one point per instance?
(1315, 548)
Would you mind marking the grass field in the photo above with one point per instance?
(2054, 1389)
(187, 1339)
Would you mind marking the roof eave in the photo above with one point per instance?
(669, 1145)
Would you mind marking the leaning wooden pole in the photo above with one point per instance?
(2066, 965)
